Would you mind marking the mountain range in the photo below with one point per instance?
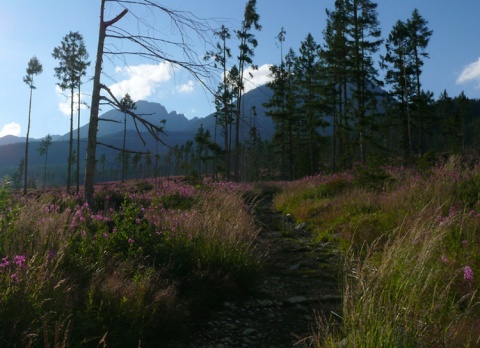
(175, 123)
(178, 130)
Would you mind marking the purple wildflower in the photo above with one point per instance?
(468, 274)
(5, 262)
(131, 241)
(19, 260)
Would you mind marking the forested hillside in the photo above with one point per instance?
(354, 97)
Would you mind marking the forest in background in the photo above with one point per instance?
(335, 104)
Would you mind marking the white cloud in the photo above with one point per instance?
(10, 129)
(64, 106)
(142, 80)
(470, 72)
(186, 87)
(256, 78)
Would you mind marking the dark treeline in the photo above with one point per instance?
(330, 108)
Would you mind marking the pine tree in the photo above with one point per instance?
(73, 62)
(33, 68)
(280, 108)
(223, 97)
(419, 37)
(311, 107)
(463, 107)
(335, 53)
(126, 104)
(447, 121)
(400, 76)
(364, 41)
(43, 150)
(248, 42)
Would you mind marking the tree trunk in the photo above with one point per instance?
(420, 111)
(92, 129)
(26, 143)
(78, 141)
(236, 165)
(45, 169)
(124, 143)
(70, 147)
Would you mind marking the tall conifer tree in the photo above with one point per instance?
(281, 108)
(33, 68)
(311, 105)
(223, 97)
(335, 53)
(248, 42)
(73, 62)
(419, 36)
(400, 76)
(364, 41)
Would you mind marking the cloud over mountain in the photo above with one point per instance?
(10, 129)
(256, 78)
(141, 80)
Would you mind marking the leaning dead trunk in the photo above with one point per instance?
(93, 126)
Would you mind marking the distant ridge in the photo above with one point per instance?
(178, 130)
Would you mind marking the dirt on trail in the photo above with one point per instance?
(301, 282)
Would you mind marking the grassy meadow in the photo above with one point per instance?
(136, 269)
(411, 244)
(142, 264)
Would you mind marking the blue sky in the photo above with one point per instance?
(29, 28)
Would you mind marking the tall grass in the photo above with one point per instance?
(412, 254)
(138, 268)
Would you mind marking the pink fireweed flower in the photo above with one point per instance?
(131, 241)
(5, 262)
(14, 277)
(83, 233)
(19, 260)
(445, 259)
(468, 274)
(451, 212)
(105, 235)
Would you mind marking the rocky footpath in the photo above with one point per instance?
(301, 282)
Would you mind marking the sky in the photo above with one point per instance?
(33, 28)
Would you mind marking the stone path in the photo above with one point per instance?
(301, 282)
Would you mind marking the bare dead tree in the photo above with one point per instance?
(148, 43)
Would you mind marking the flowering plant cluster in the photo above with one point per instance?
(13, 268)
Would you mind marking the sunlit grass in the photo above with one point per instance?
(412, 254)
